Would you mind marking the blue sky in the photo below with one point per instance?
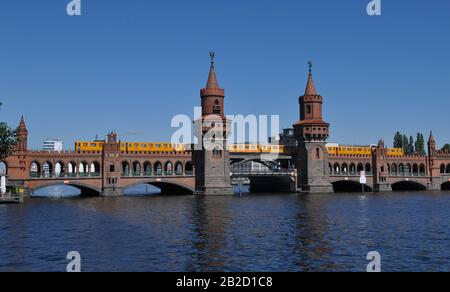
(132, 65)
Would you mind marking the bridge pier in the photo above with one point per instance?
(112, 192)
(382, 187)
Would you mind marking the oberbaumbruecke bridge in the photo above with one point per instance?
(311, 168)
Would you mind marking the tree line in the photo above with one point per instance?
(411, 146)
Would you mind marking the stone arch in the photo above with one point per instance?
(95, 168)
(72, 169)
(408, 169)
(86, 190)
(448, 168)
(136, 168)
(368, 169)
(401, 169)
(443, 168)
(415, 169)
(83, 168)
(158, 168)
(47, 169)
(330, 167)
(147, 168)
(125, 168)
(353, 169)
(337, 169)
(35, 169)
(179, 168)
(3, 168)
(60, 169)
(344, 169)
(167, 188)
(168, 168)
(405, 185)
(360, 168)
(422, 170)
(394, 169)
(188, 168)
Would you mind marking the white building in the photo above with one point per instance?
(52, 145)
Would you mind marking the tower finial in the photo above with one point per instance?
(310, 65)
(212, 55)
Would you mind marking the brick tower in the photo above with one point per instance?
(111, 166)
(312, 133)
(22, 135)
(435, 171)
(211, 156)
(380, 169)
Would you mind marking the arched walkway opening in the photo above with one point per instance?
(125, 168)
(3, 168)
(408, 186)
(60, 190)
(443, 169)
(158, 168)
(35, 170)
(147, 168)
(448, 168)
(168, 168)
(72, 169)
(349, 187)
(60, 169)
(95, 168)
(47, 169)
(83, 169)
(188, 168)
(136, 168)
(179, 168)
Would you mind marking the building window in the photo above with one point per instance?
(217, 109)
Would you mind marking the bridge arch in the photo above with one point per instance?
(448, 168)
(83, 168)
(86, 190)
(344, 169)
(368, 169)
(95, 168)
(446, 186)
(267, 163)
(167, 188)
(72, 168)
(394, 169)
(408, 185)
(443, 168)
(349, 186)
(3, 167)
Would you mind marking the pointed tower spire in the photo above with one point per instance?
(212, 79)
(431, 139)
(22, 124)
(310, 88)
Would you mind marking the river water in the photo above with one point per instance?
(274, 232)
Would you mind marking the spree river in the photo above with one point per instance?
(273, 232)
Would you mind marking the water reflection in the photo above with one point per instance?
(276, 232)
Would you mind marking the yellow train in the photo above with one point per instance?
(361, 150)
(97, 146)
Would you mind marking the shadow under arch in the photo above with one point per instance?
(86, 190)
(268, 163)
(445, 186)
(349, 186)
(408, 186)
(167, 188)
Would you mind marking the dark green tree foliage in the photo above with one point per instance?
(446, 147)
(420, 144)
(8, 140)
(408, 145)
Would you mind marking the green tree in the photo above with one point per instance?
(8, 140)
(398, 140)
(446, 147)
(411, 145)
(420, 144)
(405, 142)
